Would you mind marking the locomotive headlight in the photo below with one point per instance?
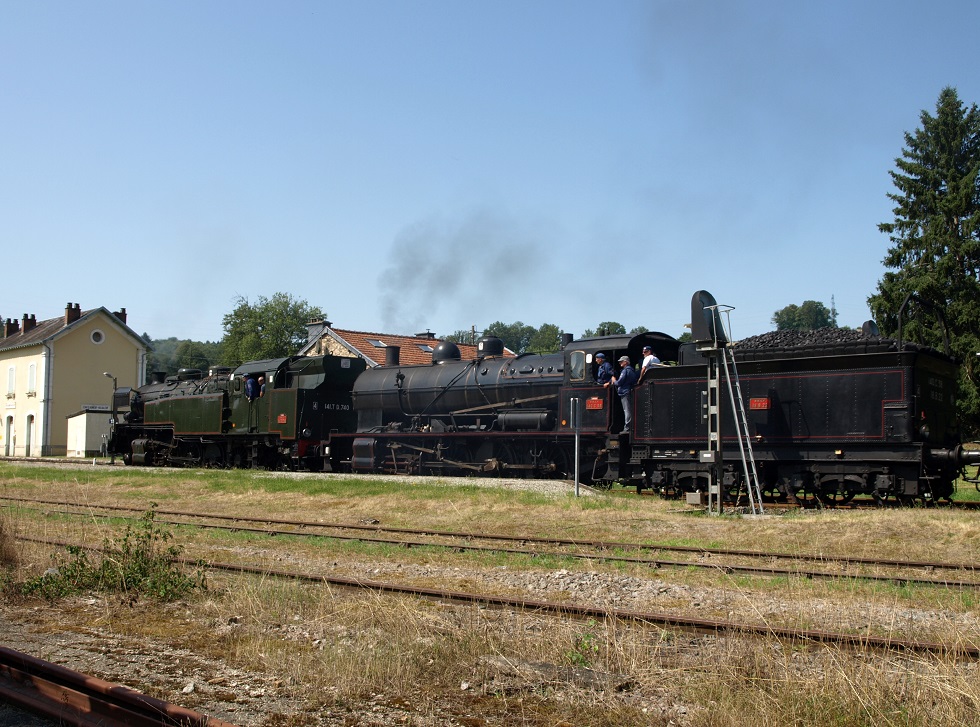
(307, 432)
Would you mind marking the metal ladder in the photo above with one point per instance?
(744, 440)
(738, 411)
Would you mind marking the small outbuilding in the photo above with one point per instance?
(88, 432)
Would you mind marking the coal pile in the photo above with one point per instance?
(796, 339)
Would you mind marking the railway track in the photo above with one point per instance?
(858, 641)
(599, 551)
(67, 697)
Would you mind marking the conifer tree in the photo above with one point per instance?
(934, 258)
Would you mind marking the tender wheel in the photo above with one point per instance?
(837, 498)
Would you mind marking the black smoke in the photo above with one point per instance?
(448, 274)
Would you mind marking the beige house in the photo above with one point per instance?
(52, 369)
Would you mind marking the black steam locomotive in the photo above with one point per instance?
(825, 421)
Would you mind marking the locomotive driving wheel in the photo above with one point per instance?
(559, 464)
(213, 455)
(510, 461)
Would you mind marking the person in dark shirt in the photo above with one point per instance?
(251, 388)
(624, 384)
(605, 371)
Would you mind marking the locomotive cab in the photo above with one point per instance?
(601, 409)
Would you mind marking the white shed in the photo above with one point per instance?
(88, 432)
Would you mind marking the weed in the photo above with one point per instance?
(142, 563)
(586, 647)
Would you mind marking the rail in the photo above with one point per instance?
(69, 697)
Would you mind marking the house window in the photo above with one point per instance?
(11, 381)
(376, 343)
(32, 380)
(97, 336)
(425, 348)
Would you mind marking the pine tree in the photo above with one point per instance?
(935, 242)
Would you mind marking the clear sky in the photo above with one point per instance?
(442, 164)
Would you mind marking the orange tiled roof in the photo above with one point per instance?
(414, 349)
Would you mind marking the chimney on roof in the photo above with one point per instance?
(429, 335)
(73, 311)
(10, 327)
(314, 329)
(120, 314)
(27, 324)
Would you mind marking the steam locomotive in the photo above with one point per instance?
(210, 420)
(866, 416)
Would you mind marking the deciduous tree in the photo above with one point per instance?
(270, 328)
(606, 328)
(807, 317)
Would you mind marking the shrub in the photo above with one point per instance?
(142, 563)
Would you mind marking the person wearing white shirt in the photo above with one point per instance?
(649, 361)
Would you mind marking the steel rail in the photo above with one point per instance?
(650, 562)
(72, 698)
(665, 620)
(598, 544)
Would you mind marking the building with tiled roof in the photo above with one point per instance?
(376, 348)
(54, 368)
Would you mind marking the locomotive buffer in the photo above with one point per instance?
(712, 340)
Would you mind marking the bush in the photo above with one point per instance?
(140, 564)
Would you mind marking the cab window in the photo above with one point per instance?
(576, 362)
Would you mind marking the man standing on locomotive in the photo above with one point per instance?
(649, 361)
(605, 371)
(251, 388)
(624, 387)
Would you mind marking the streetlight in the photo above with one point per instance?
(112, 417)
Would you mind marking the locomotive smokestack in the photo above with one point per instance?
(392, 354)
(566, 338)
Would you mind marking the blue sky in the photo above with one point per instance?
(437, 165)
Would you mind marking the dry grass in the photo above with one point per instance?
(337, 648)
(8, 549)
(331, 647)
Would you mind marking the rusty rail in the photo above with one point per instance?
(71, 698)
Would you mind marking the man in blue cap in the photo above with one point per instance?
(605, 372)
